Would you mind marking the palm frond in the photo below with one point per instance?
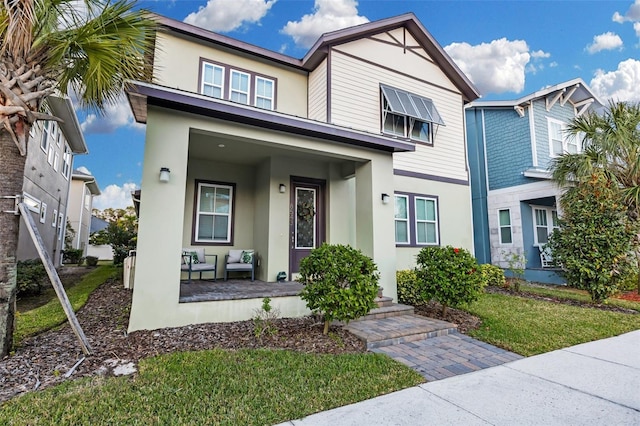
(19, 19)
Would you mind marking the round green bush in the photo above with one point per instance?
(492, 275)
(31, 277)
(449, 275)
(408, 288)
(339, 282)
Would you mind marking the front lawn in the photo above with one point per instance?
(530, 327)
(215, 387)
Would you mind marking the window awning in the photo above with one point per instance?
(411, 105)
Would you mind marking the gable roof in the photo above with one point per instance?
(63, 108)
(320, 49)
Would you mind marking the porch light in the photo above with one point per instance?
(282, 188)
(385, 198)
(164, 174)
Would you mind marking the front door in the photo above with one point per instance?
(306, 219)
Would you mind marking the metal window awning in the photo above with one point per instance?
(411, 105)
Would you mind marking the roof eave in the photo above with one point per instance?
(62, 108)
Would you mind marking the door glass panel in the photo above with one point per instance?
(305, 218)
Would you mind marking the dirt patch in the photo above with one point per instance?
(464, 320)
(633, 296)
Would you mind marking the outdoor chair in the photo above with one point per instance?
(240, 261)
(195, 260)
(545, 257)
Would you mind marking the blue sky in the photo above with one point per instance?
(507, 48)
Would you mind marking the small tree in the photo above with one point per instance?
(339, 281)
(121, 233)
(449, 275)
(596, 240)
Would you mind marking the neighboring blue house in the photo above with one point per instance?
(511, 145)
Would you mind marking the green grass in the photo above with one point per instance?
(215, 387)
(531, 327)
(51, 315)
(575, 294)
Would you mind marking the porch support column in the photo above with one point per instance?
(156, 288)
(375, 234)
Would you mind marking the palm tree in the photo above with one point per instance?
(91, 48)
(611, 145)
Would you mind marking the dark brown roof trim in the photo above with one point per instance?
(210, 107)
(435, 178)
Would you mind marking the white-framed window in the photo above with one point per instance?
(545, 220)
(426, 221)
(60, 227)
(504, 223)
(31, 202)
(48, 131)
(59, 138)
(87, 199)
(239, 87)
(54, 218)
(212, 80)
(51, 154)
(43, 212)
(559, 141)
(56, 161)
(402, 219)
(264, 93)
(66, 162)
(214, 212)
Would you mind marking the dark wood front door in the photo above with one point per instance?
(306, 219)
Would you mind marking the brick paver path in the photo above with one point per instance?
(446, 356)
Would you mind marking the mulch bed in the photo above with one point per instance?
(629, 295)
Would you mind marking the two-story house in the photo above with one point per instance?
(47, 177)
(83, 188)
(511, 147)
(360, 142)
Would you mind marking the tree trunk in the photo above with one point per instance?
(11, 181)
(444, 310)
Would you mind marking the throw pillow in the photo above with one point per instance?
(194, 256)
(235, 256)
(247, 257)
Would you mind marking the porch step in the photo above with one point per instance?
(383, 301)
(398, 329)
(387, 310)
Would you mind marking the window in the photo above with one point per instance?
(402, 219)
(239, 90)
(504, 221)
(87, 199)
(559, 141)
(212, 80)
(264, 93)
(66, 162)
(214, 206)
(60, 227)
(545, 220)
(408, 115)
(416, 220)
(31, 202)
(50, 155)
(48, 131)
(56, 161)
(54, 218)
(43, 212)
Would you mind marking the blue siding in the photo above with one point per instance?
(564, 113)
(508, 147)
(478, 175)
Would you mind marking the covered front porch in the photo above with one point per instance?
(209, 290)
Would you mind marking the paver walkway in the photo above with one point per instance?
(449, 355)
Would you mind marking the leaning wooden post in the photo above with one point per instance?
(55, 279)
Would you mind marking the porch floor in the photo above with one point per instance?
(209, 290)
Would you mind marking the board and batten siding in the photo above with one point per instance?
(318, 92)
(356, 103)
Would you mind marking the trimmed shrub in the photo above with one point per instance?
(339, 282)
(91, 261)
(408, 288)
(31, 277)
(72, 256)
(450, 275)
(492, 275)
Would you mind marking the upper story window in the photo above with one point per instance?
(242, 86)
(66, 162)
(212, 80)
(49, 130)
(559, 141)
(408, 115)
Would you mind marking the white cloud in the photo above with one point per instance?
(622, 84)
(495, 67)
(114, 116)
(553, 64)
(114, 196)
(83, 169)
(328, 15)
(540, 54)
(633, 14)
(228, 15)
(636, 28)
(606, 41)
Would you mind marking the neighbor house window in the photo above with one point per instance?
(239, 90)
(559, 141)
(408, 115)
(60, 227)
(56, 161)
(402, 219)
(43, 212)
(545, 220)
(426, 221)
(212, 80)
(214, 212)
(504, 220)
(66, 162)
(54, 218)
(31, 202)
(264, 93)
(48, 134)
(416, 220)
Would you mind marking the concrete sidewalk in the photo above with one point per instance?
(590, 384)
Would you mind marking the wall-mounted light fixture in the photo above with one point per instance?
(385, 198)
(165, 173)
(282, 188)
